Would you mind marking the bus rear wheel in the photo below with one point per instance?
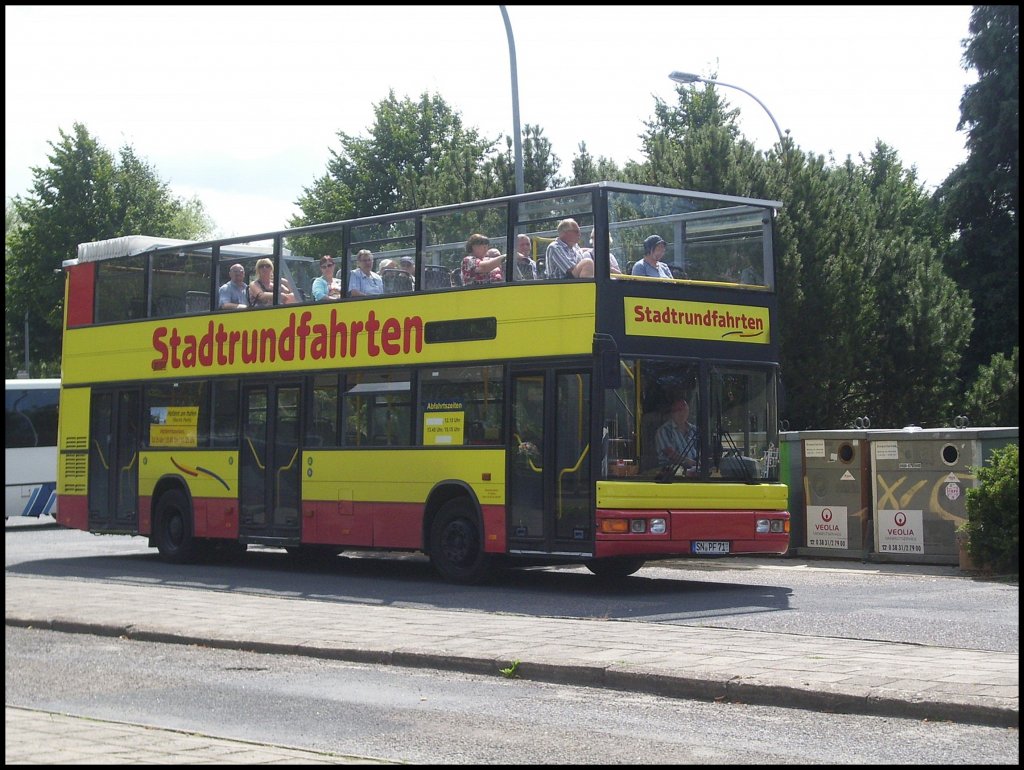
(172, 528)
(456, 545)
(615, 567)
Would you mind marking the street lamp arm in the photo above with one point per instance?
(686, 77)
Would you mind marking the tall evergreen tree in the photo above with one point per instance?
(979, 199)
(862, 294)
(84, 194)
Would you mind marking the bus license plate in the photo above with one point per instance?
(710, 546)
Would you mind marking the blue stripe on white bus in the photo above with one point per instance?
(42, 501)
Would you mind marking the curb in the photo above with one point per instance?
(606, 677)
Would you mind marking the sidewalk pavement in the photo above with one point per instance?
(809, 672)
(42, 738)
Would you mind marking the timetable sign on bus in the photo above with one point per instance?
(173, 426)
(697, 320)
(444, 423)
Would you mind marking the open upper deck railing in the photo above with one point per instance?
(709, 239)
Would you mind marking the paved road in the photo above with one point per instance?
(783, 669)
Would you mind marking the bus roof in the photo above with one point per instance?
(124, 246)
(132, 245)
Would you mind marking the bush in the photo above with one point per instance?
(993, 512)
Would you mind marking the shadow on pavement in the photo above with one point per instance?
(408, 580)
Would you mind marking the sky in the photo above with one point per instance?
(241, 106)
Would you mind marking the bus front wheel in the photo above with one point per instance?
(456, 547)
(173, 528)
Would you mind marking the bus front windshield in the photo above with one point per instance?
(691, 421)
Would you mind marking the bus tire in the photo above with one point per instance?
(172, 528)
(456, 545)
(615, 566)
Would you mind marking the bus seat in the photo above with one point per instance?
(396, 281)
(168, 306)
(197, 301)
(436, 277)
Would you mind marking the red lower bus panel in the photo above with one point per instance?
(73, 511)
(335, 523)
(216, 517)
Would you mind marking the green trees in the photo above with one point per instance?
(419, 154)
(84, 194)
(894, 304)
(870, 323)
(994, 396)
(979, 203)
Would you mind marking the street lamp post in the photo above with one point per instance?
(687, 77)
(517, 137)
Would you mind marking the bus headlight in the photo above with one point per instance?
(771, 525)
(659, 526)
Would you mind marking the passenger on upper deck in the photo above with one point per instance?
(524, 266)
(651, 265)
(234, 295)
(325, 285)
(613, 263)
(408, 265)
(362, 280)
(564, 258)
(481, 264)
(261, 291)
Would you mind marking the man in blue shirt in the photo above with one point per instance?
(677, 440)
(651, 265)
(234, 295)
(363, 281)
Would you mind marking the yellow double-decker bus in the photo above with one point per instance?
(528, 417)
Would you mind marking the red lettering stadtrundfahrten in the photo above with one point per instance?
(298, 340)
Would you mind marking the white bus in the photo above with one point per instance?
(30, 449)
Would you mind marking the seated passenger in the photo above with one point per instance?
(325, 285)
(525, 269)
(613, 263)
(362, 280)
(651, 265)
(261, 291)
(408, 266)
(564, 258)
(234, 295)
(481, 264)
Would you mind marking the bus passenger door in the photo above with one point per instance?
(269, 462)
(114, 422)
(549, 484)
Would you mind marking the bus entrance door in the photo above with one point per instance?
(269, 463)
(114, 460)
(549, 490)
